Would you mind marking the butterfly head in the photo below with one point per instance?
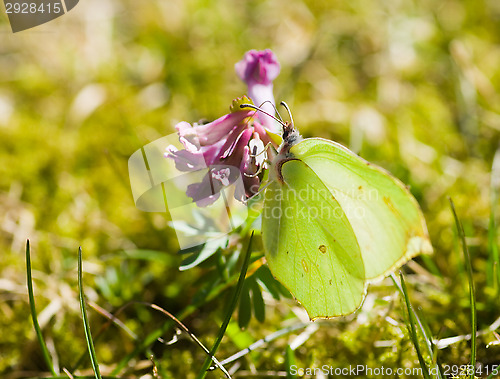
(290, 136)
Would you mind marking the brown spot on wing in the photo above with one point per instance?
(390, 205)
(304, 266)
(322, 249)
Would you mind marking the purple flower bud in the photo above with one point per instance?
(258, 69)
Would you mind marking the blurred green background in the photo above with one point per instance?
(409, 85)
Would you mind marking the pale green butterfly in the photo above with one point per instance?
(333, 222)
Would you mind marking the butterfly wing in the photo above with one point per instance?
(386, 218)
(310, 245)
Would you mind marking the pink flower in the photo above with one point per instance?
(229, 147)
(233, 146)
(258, 69)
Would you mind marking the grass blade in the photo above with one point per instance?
(153, 336)
(289, 362)
(264, 341)
(86, 327)
(39, 335)
(230, 310)
(492, 230)
(494, 372)
(431, 347)
(413, 321)
(472, 291)
(185, 329)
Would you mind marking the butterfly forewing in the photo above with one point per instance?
(309, 243)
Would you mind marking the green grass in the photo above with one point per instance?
(34, 316)
(413, 86)
(229, 312)
(472, 291)
(86, 326)
(413, 323)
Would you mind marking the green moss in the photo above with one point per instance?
(430, 72)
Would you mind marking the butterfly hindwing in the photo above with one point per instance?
(309, 243)
(386, 219)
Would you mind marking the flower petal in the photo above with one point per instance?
(216, 130)
(222, 176)
(185, 160)
(248, 169)
(258, 67)
(208, 190)
(202, 193)
(234, 158)
(257, 147)
(188, 136)
(262, 95)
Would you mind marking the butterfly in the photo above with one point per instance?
(332, 223)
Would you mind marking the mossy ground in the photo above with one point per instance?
(412, 86)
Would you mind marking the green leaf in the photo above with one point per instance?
(266, 280)
(209, 249)
(244, 308)
(259, 307)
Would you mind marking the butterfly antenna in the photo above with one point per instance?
(263, 111)
(275, 109)
(285, 105)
